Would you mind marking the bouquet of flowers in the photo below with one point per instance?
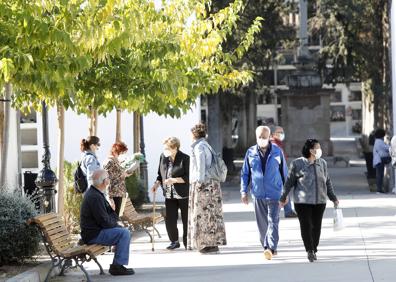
(131, 162)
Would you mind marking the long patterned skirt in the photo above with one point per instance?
(205, 216)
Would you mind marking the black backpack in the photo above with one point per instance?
(80, 180)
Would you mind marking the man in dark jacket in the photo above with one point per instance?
(99, 224)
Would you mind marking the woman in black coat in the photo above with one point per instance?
(173, 177)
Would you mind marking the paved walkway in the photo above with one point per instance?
(364, 251)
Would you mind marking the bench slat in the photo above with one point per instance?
(59, 235)
(54, 221)
(54, 231)
(95, 250)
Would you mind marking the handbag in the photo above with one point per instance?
(386, 160)
(338, 220)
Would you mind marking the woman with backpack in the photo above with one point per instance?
(206, 224)
(89, 161)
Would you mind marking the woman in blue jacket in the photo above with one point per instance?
(380, 156)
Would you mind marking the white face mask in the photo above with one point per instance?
(167, 153)
(262, 142)
(318, 153)
(281, 136)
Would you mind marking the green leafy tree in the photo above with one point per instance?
(179, 58)
(273, 38)
(357, 48)
(46, 44)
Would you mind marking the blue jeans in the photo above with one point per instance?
(288, 208)
(267, 217)
(118, 236)
(379, 175)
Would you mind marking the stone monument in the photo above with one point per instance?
(305, 105)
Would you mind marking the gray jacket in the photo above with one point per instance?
(200, 161)
(89, 163)
(311, 183)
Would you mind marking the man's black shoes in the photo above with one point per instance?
(116, 269)
(173, 245)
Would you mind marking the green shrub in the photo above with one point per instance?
(19, 241)
(136, 190)
(72, 199)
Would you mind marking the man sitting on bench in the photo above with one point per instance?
(99, 224)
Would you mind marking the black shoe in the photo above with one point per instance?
(311, 256)
(116, 269)
(315, 257)
(173, 245)
(208, 250)
(291, 215)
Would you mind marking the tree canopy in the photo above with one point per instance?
(132, 55)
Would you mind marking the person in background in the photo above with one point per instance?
(311, 185)
(392, 151)
(173, 177)
(89, 161)
(117, 174)
(98, 223)
(380, 150)
(206, 229)
(265, 170)
(277, 137)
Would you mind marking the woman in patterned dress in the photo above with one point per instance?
(206, 224)
(117, 174)
(173, 177)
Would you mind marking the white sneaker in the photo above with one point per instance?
(268, 254)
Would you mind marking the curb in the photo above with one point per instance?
(36, 274)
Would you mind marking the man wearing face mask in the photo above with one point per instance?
(99, 224)
(264, 170)
(277, 137)
(309, 179)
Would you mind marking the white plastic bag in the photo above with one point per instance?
(338, 220)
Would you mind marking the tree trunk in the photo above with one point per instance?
(228, 105)
(93, 123)
(118, 126)
(61, 156)
(215, 134)
(2, 106)
(367, 109)
(136, 132)
(242, 132)
(5, 134)
(251, 118)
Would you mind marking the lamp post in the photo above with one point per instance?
(46, 178)
(143, 165)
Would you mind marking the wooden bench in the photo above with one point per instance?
(138, 221)
(60, 248)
